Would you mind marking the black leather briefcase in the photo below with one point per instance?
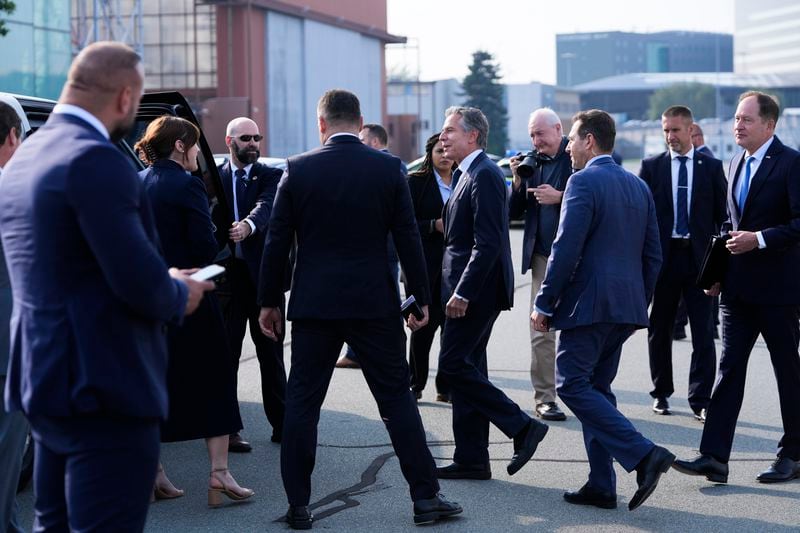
(715, 262)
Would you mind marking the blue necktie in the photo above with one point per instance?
(239, 204)
(682, 216)
(746, 183)
(456, 176)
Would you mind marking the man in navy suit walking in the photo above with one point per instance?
(339, 203)
(477, 283)
(688, 189)
(600, 277)
(760, 291)
(250, 189)
(91, 297)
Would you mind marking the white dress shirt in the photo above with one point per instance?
(81, 113)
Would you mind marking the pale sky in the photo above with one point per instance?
(521, 34)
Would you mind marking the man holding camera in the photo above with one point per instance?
(539, 181)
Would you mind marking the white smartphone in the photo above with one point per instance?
(209, 273)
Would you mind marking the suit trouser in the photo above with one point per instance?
(543, 344)
(93, 473)
(678, 277)
(241, 309)
(420, 346)
(381, 344)
(741, 325)
(476, 401)
(394, 271)
(586, 363)
(13, 434)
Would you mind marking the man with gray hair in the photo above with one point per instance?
(537, 199)
(477, 283)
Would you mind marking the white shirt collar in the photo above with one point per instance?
(595, 158)
(762, 150)
(246, 169)
(690, 154)
(342, 133)
(75, 111)
(467, 161)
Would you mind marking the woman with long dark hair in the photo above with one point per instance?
(430, 188)
(200, 378)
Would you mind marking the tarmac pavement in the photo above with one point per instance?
(357, 484)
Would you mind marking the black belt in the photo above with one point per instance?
(680, 243)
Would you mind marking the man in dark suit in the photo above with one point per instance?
(92, 294)
(760, 290)
(250, 189)
(689, 193)
(682, 317)
(538, 199)
(699, 141)
(601, 275)
(342, 292)
(374, 136)
(477, 283)
(13, 426)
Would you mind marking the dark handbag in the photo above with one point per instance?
(715, 262)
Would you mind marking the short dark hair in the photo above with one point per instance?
(768, 107)
(678, 111)
(338, 106)
(377, 131)
(600, 124)
(8, 120)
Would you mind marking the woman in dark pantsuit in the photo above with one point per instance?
(200, 376)
(430, 188)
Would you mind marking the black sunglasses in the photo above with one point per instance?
(246, 138)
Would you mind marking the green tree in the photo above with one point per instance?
(6, 6)
(483, 90)
(699, 97)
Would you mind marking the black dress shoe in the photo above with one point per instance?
(433, 509)
(525, 445)
(648, 472)
(550, 411)
(703, 465)
(700, 414)
(443, 397)
(464, 471)
(417, 394)
(586, 495)
(679, 334)
(783, 469)
(299, 517)
(661, 406)
(236, 444)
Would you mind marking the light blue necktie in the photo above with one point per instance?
(746, 183)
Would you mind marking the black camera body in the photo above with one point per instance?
(530, 161)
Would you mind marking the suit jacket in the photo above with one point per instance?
(91, 291)
(767, 276)
(340, 202)
(180, 206)
(6, 304)
(428, 205)
(707, 209)
(606, 258)
(522, 204)
(262, 182)
(477, 255)
(705, 150)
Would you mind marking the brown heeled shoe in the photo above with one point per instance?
(215, 493)
(165, 491)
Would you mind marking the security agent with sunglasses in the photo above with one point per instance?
(250, 189)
